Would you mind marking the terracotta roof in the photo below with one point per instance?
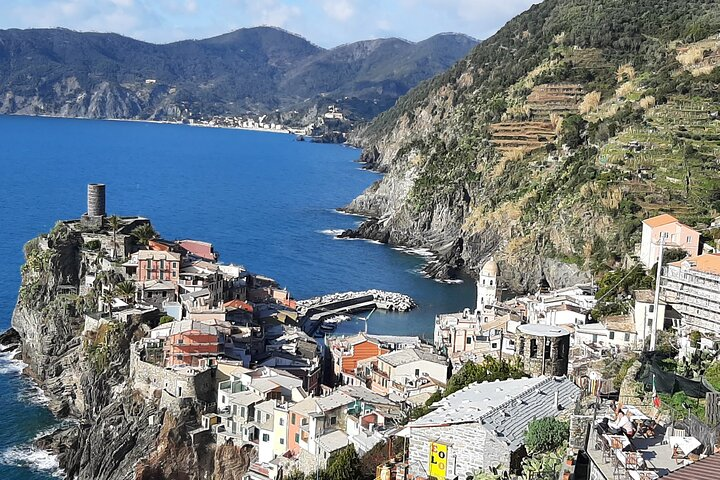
(619, 323)
(660, 220)
(239, 304)
(158, 255)
(199, 249)
(704, 468)
(708, 263)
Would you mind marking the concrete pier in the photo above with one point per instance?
(314, 310)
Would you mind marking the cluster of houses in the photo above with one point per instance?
(235, 341)
(688, 299)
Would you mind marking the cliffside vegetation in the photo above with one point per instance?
(556, 137)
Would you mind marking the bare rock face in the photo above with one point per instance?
(231, 462)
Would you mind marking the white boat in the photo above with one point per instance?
(337, 319)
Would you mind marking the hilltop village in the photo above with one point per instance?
(545, 381)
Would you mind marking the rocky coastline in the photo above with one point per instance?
(112, 428)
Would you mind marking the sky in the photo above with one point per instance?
(327, 23)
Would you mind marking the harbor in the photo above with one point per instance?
(321, 314)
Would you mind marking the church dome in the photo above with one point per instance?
(490, 269)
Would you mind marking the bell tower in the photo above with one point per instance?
(487, 285)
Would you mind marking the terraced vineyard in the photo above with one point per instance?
(673, 159)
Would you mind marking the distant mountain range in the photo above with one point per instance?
(252, 70)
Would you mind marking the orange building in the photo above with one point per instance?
(347, 352)
(197, 347)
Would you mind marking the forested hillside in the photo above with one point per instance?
(253, 70)
(553, 139)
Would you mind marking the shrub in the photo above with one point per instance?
(166, 319)
(93, 245)
(546, 435)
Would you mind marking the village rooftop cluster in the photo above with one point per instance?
(271, 378)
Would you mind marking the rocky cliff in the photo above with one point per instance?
(118, 430)
(551, 141)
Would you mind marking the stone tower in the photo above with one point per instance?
(96, 200)
(543, 349)
(487, 285)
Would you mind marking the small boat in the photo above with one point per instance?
(337, 319)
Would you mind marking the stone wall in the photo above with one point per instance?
(174, 387)
(557, 362)
(470, 448)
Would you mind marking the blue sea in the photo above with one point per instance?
(265, 200)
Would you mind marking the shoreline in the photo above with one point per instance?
(155, 122)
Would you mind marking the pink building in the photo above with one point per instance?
(158, 265)
(203, 250)
(676, 235)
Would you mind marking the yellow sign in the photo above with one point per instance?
(438, 460)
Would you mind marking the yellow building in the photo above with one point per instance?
(280, 430)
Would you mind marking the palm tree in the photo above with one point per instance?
(144, 233)
(125, 290)
(115, 224)
(107, 299)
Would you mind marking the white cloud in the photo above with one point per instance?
(340, 10)
(327, 22)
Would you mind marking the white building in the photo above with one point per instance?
(487, 287)
(692, 288)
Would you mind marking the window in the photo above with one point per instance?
(333, 420)
(282, 441)
(417, 372)
(493, 345)
(689, 239)
(533, 348)
(297, 438)
(468, 340)
(651, 308)
(292, 419)
(265, 437)
(282, 422)
(612, 335)
(223, 398)
(627, 337)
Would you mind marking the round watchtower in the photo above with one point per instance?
(96, 200)
(543, 349)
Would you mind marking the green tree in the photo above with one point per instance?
(125, 290)
(166, 319)
(144, 233)
(546, 434)
(489, 370)
(572, 131)
(345, 465)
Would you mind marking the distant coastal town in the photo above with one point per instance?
(506, 383)
(332, 122)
